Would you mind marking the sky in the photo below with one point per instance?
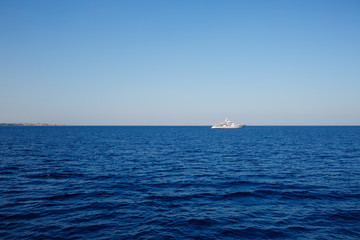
(188, 62)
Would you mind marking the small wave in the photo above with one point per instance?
(241, 183)
(180, 197)
(299, 229)
(73, 231)
(54, 175)
(26, 216)
(352, 195)
(308, 195)
(13, 191)
(252, 232)
(239, 194)
(201, 222)
(63, 196)
(8, 168)
(349, 215)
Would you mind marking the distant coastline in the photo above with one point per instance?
(29, 124)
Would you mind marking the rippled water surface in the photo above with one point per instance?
(179, 183)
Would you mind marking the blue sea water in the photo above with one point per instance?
(179, 183)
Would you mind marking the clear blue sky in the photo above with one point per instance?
(180, 62)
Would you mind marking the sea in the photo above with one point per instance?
(147, 182)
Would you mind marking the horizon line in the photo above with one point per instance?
(169, 125)
(102, 125)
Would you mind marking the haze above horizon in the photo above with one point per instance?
(180, 62)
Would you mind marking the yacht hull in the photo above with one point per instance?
(214, 127)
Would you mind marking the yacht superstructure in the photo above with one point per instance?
(228, 124)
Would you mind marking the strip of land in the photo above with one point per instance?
(29, 124)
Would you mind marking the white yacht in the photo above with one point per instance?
(228, 124)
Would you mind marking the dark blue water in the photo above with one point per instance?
(179, 183)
